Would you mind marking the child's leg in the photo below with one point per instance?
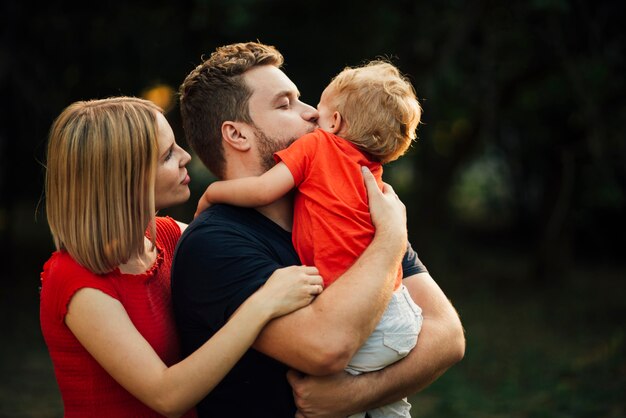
(394, 336)
(399, 409)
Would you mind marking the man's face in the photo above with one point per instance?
(278, 115)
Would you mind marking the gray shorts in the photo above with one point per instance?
(393, 338)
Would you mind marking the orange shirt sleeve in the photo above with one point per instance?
(298, 156)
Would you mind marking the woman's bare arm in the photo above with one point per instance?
(103, 327)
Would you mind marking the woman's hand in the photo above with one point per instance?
(290, 288)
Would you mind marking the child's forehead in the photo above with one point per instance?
(329, 91)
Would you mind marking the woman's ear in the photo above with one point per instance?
(336, 124)
(234, 134)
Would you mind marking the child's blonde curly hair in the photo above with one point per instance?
(379, 107)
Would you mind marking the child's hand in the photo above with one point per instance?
(203, 204)
(291, 288)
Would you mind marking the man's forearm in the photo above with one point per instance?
(427, 362)
(441, 344)
(322, 337)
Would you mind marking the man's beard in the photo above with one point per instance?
(268, 146)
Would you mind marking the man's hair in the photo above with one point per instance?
(100, 177)
(215, 92)
(379, 107)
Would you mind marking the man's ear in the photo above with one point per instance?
(337, 122)
(233, 133)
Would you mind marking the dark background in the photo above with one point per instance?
(515, 189)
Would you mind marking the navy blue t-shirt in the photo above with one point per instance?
(223, 257)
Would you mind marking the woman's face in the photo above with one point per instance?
(172, 181)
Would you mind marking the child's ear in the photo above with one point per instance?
(234, 134)
(337, 121)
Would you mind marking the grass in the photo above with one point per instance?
(533, 351)
(27, 385)
(555, 351)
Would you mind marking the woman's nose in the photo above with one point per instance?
(186, 158)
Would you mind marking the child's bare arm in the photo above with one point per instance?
(249, 191)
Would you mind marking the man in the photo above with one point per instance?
(238, 108)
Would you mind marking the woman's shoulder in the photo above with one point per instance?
(62, 268)
(62, 277)
(62, 263)
(168, 232)
(167, 225)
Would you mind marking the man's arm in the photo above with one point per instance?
(440, 345)
(322, 337)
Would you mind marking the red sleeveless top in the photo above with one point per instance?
(87, 389)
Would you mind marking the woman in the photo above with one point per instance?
(105, 301)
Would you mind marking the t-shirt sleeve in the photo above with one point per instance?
(298, 156)
(411, 264)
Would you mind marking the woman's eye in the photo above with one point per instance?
(169, 154)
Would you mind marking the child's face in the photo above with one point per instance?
(327, 112)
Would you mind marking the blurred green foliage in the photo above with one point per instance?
(522, 100)
(519, 172)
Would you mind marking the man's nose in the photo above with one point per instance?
(310, 114)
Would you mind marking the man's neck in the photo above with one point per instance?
(280, 212)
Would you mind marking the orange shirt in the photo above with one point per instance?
(332, 224)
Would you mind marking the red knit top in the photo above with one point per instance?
(87, 389)
(332, 225)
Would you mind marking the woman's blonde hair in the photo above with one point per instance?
(379, 107)
(100, 176)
